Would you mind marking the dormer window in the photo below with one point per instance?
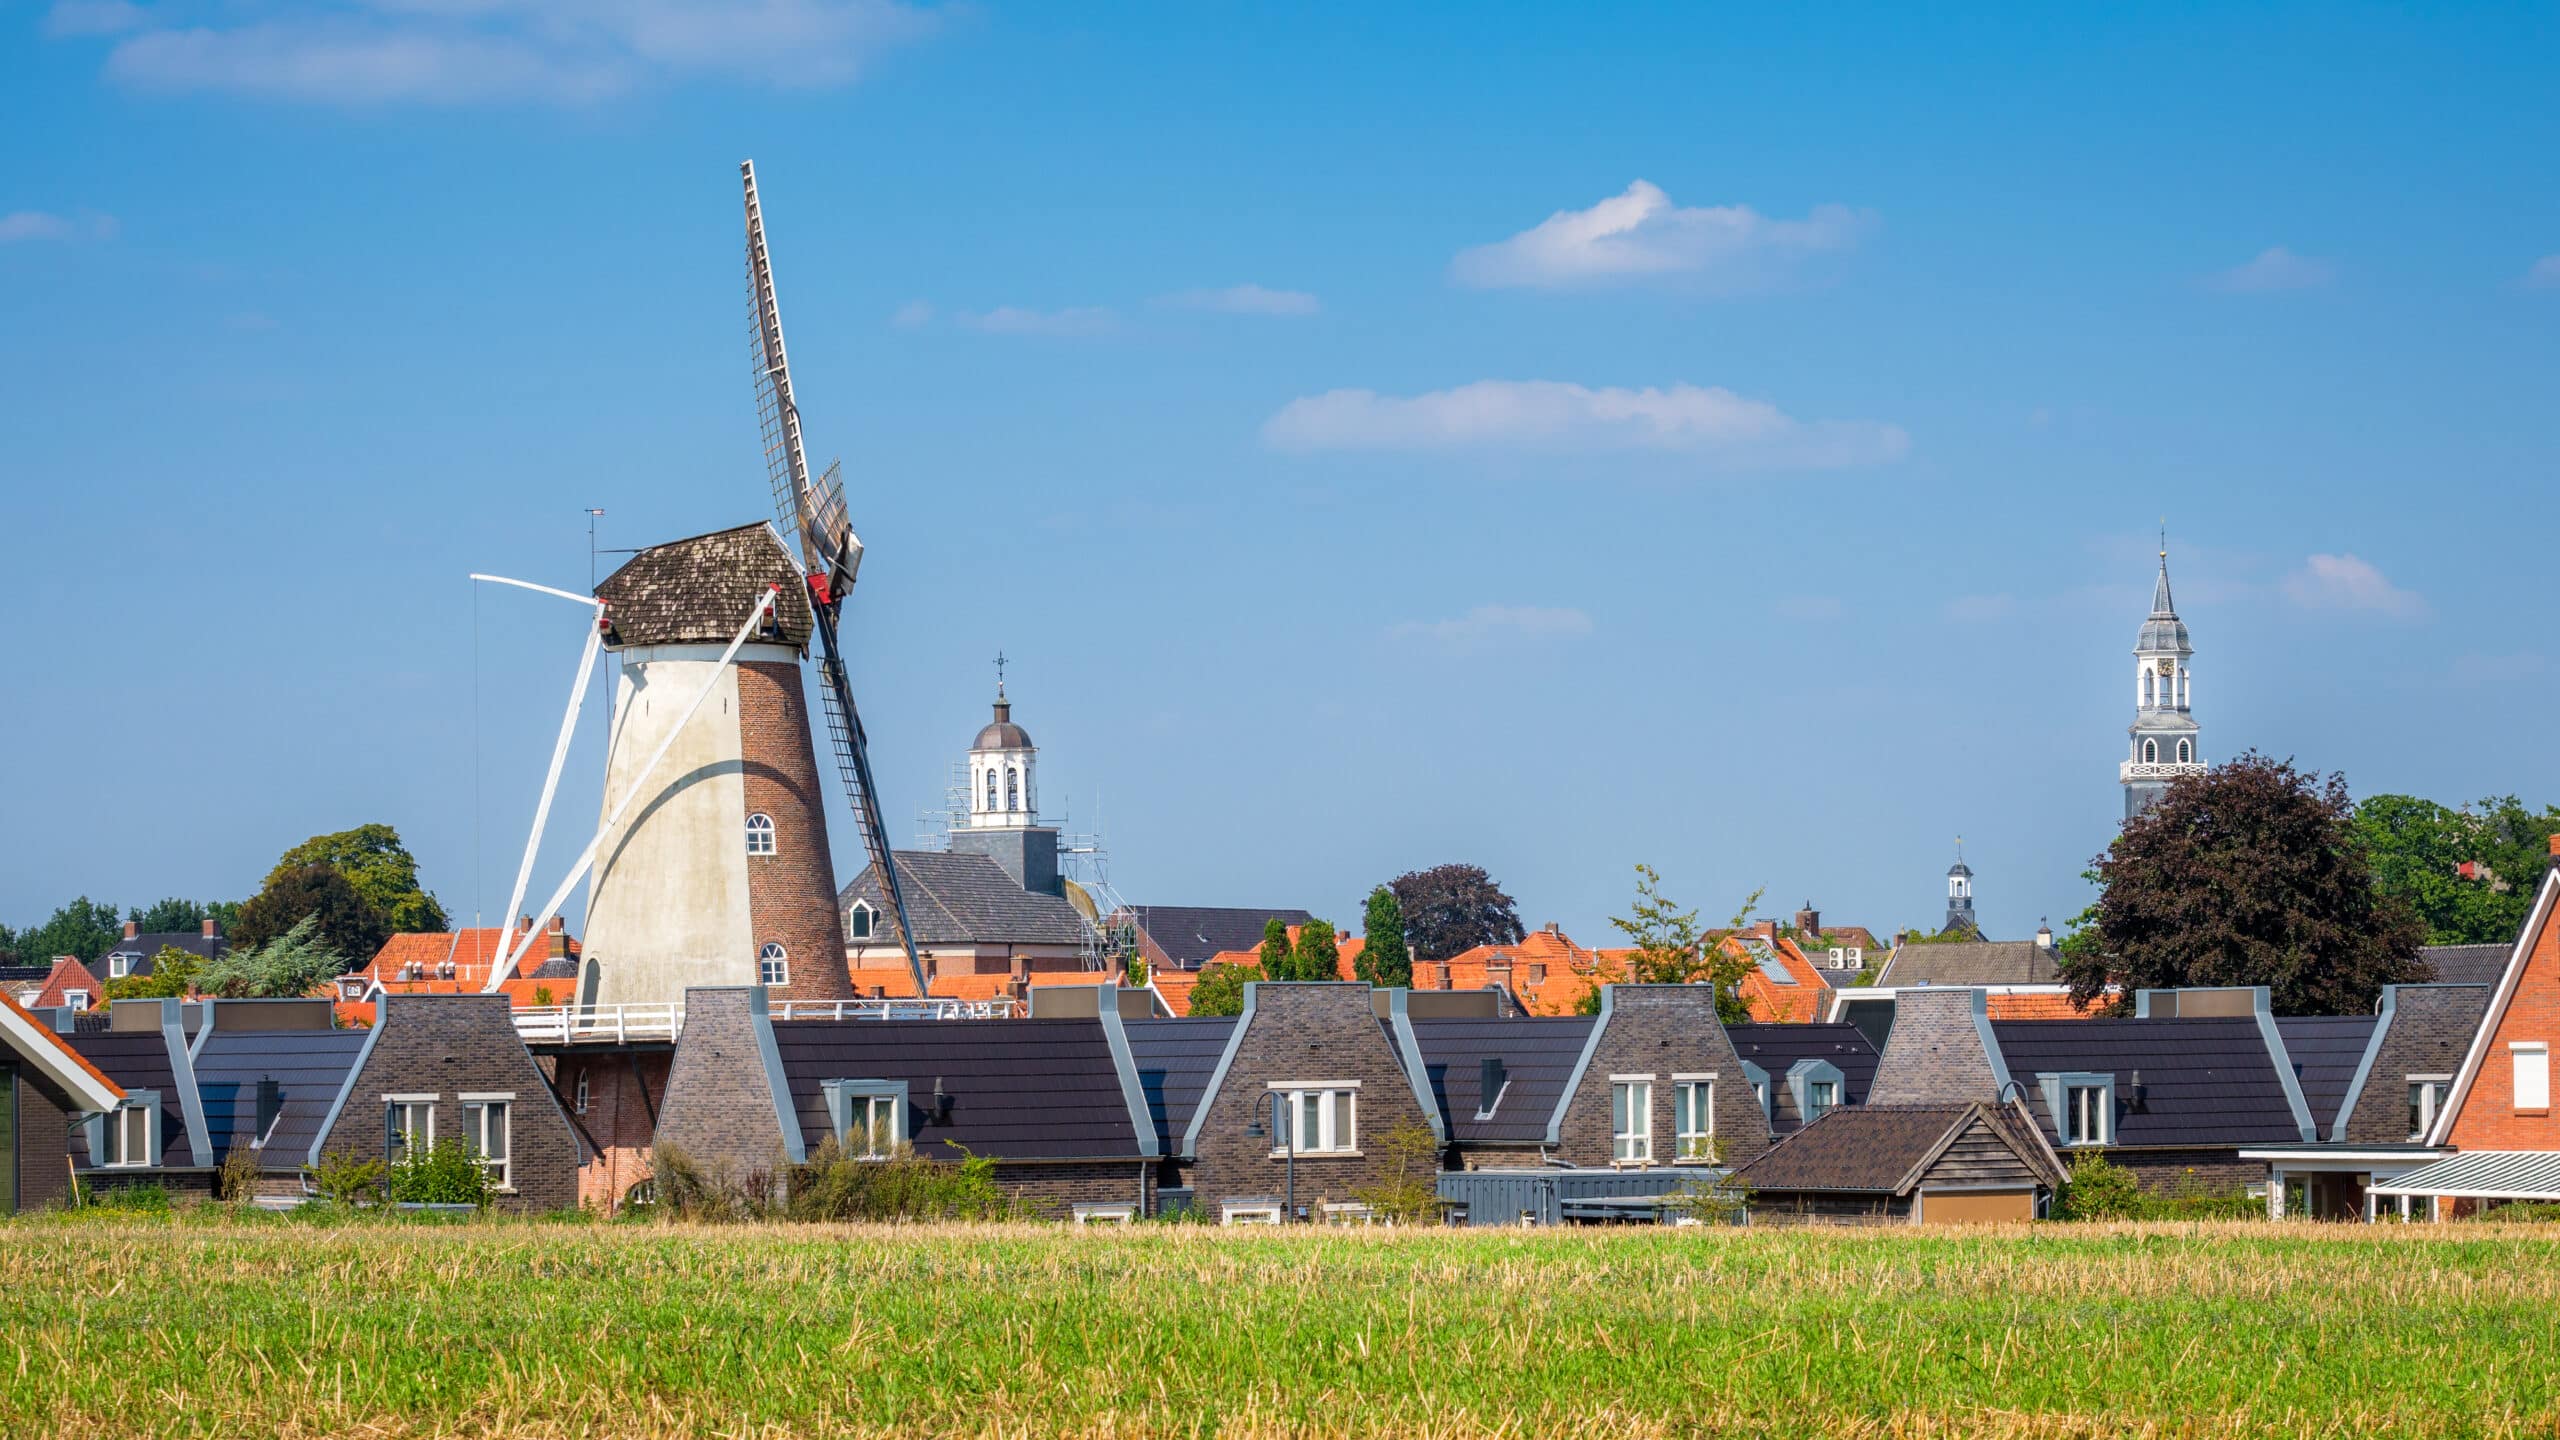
(858, 924)
(2083, 1107)
(120, 964)
(760, 835)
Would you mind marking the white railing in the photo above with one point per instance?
(598, 1024)
(2161, 770)
(1003, 1007)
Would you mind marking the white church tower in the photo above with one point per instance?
(2163, 732)
(1004, 802)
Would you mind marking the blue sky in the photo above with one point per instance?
(1729, 440)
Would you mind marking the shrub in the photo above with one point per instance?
(1408, 1188)
(444, 1173)
(900, 1186)
(237, 1180)
(2099, 1191)
(345, 1179)
(141, 1199)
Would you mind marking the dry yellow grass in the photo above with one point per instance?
(201, 1326)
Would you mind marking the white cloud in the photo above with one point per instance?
(1487, 626)
(914, 315)
(1640, 235)
(43, 225)
(460, 52)
(1708, 422)
(2344, 582)
(1245, 299)
(1977, 609)
(1013, 320)
(2545, 274)
(2275, 268)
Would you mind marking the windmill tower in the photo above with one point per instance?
(721, 874)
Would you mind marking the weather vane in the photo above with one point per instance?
(999, 674)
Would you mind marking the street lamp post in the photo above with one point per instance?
(1289, 1150)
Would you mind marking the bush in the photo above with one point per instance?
(1408, 1188)
(133, 1199)
(2098, 1190)
(444, 1173)
(901, 1186)
(345, 1179)
(237, 1180)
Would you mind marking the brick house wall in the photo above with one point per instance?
(1935, 1053)
(2430, 1028)
(2487, 1117)
(2203, 1170)
(44, 1120)
(1053, 1188)
(1661, 1031)
(1300, 1032)
(447, 1046)
(791, 894)
(624, 1090)
(718, 1107)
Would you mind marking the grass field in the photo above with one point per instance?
(237, 1327)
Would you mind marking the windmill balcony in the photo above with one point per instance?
(2157, 770)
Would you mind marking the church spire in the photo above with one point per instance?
(2163, 733)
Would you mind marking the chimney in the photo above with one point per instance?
(524, 926)
(1766, 929)
(1553, 928)
(558, 948)
(2044, 936)
(212, 928)
(1022, 969)
(2555, 845)
(132, 929)
(1809, 920)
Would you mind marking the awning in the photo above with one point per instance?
(2483, 1175)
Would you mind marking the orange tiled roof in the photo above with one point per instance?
(69, 974)
(895, 983)
(1174, 986)
(1768, 1000)
(62, 1045)
(472, 953)
(2035, 1005)
(1549, 973)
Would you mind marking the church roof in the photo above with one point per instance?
(2164, 630)
(1001, 733)
(699, 590)
(957, 898)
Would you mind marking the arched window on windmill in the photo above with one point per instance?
(773, 964)
(760, 835)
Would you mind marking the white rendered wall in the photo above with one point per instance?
(983, 763)
(668, 905)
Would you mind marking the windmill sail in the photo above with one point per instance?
(813, 514)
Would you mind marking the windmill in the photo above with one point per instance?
(812, 517)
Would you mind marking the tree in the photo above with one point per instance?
(1318, 957)
(297, 962)
(1220, 990)
(379, 867)
(344, 921)
(83, 930)
(1279, 961)
(2253, 873)
(1449, 909)
(1668, 947)
(173, 976)
(2419, 848)
(1384, 960)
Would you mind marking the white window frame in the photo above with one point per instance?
(2531, 1060)
(76, 999)
(2434, 1091)
(869, 1116)
(1687, 1091)
(761, 839)
(1631, 1140)
(120, 964)
(477, 1110)
(1249, 1212)
(2088, 1114)
(859, 920)
(1337, 1111)
(1106, 1212)
(408, 1107)
(773, 964)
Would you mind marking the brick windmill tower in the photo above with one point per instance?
(712, 866)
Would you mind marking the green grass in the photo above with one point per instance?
(184, 1325)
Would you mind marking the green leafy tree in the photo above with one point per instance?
(1318, 955)
(2418, 849)
(179, 916)
(83, 930)
(1384, 961)
(297, 962)
(1669, 948)
(346, 921)
(1220, 990)
(1279, 960)
(1406, 1188)
(1450, 909)
(173, 976)
(2253, 873)
(379, 867)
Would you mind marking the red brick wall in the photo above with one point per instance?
(618, 1123)
(791, 894)
(2488, 1118)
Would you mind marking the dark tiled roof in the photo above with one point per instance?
(1861, 1147)
(138, 1060)
(1190, 934)
(700, 590)
(2205, 1082)
(20, 974)
(2325, 1050)
(1777, 1048)
(1174, 1058)
(1538, 1053)
(956, 898)
(311, 1065)
(2467, 964)
(144, 947)
(1022, 1089)
(1970, 962)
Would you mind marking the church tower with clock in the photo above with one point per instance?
(2163, 733)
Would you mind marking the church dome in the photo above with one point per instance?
(2163, 632)
(1001, 733)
